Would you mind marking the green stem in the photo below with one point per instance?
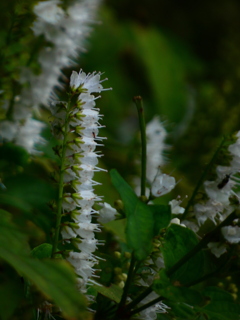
(139, 105)
(61, 182)
(201, 180)
(145, 306)
(205, 240)
(138, 299)
(128, 282)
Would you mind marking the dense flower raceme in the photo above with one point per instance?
(80, 163)
(151, 312)
(219, 206)
(156, 135)
(160, 183)
(66, 31)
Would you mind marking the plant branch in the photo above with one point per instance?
(139, 298)
(205, 240)
(139, 105)
(128, 282)
(201, 180)
(145, 306)
(61, 182)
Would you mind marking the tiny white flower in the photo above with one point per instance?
(49, 11)
(156, 135)
(162, 184)
(231, 234)
(107, 213)
(177, 221)
(175, 208)
(217, 249)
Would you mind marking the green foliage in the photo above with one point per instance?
(173, 290)
(178, 242)
(161, 217)
(55, 279)
(42, 251)
(114, 292)
(221, 305)
(117, 227)
(139, 229)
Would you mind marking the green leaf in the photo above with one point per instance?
(117, 227)
(172, 291)
(181, 310)
(177, 243)
(54, 278)
(161, 216)
(140, 221)
(42, 251)
(12, 154)
(222, 310)
(215, 293)
(113, 292)
(221, 305)
(11, 293)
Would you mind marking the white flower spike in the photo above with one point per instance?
(80, 163)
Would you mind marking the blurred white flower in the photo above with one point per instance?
(217, 249)
(231, 234)
(107, 213)
(175, 208)
(156, 135)
(162, 184)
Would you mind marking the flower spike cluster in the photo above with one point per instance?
(221, 194)
(77, 124)
(65, 32)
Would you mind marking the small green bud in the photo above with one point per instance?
(121, 284)
(78, 141)
(76, 196)
(117, 254)
(124, 277)
(143, 199)
(117, 270)
(127, 255)
(234, 295)
(118, 204)
(75, 183)
(78, 129)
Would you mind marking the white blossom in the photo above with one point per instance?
(80, 164)
(156, 135)
(66, 32)
(177, 221)
(151, 312)
(107, 213)
(175, 208)
(162, 184)
(217, 249)
(231, 233)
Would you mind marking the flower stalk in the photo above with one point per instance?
(142, 125)
(61, 179)
(76, 124)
